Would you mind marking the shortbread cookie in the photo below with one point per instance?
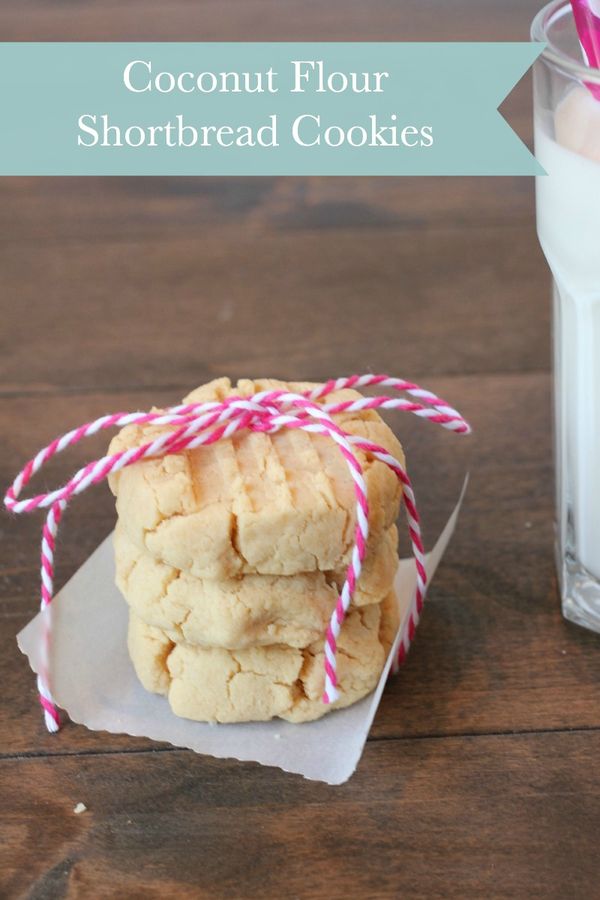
(270, 504)
(253, 610)
(257, 684)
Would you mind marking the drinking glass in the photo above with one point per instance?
(567, 144)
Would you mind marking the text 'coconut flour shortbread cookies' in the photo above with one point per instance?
(231, 557)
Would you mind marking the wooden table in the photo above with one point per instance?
(480, 777)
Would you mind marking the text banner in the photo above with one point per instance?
(260, 108)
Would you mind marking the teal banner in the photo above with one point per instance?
(260, 108)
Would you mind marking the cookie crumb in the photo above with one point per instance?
(80, 808)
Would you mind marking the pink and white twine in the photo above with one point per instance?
(200, 424)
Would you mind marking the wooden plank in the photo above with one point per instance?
(266, 20)
(493, 653)
(134, 313)
(97, 209)
(493, 817)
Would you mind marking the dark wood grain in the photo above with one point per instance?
(178, 310)
(82, 209)
(267, 20)
(460, 818)
(480, 775)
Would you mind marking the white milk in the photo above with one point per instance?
(568, 217)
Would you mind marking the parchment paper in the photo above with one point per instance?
(94, 681)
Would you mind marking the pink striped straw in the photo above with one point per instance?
(200, 424)
(587, 21)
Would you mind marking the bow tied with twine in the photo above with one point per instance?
(201, 424)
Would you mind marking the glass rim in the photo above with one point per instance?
(539, 32)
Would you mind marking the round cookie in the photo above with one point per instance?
(255, 503)
(258, 684)
(253, 610)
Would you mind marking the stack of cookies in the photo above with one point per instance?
(231, 558)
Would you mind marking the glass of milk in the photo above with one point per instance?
(567, 144)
